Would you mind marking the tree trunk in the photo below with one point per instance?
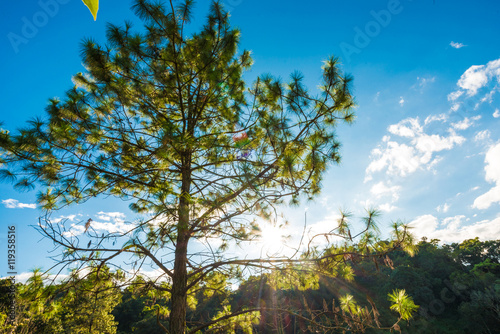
(179, 283)
(179, 279)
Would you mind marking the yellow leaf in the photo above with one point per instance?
(93, 6)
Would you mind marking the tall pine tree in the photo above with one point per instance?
(166, 121)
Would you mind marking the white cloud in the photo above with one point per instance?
(453, 96)
(455, 107)
(488, 97)
(367, 204)
(428, 144)
(423, 82)
(382, 193)
(452, 229)
(473, 79)
(465, 123)
(114, 223)
(323, 200)
(453, 223)
(157, 275)
(457, 45)
(61, 218)
(406, 158)
(387, 207)
(326, 225)
(486, 200)
(492, 168)
(397, 158)
(482, 135)
(435, 118)
(74, 231)
(23, 277)
(14, 204)
(443, 208)
(381, 190)
(111, 215)
(462, 125)
(409, 127)
(477, 76)
(116, 227)
(424, 226)
(496, 114)
(401, 101)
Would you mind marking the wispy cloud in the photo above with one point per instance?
(453, 96)
(15, 204)
(457, 45)
(482, 135)
(423, 82)
(401, 101)
(443, 208)
(436, 118)
(466, 123)
(496, 114)
(61, 218)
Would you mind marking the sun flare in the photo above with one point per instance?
(272, 239)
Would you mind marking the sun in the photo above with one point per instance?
(272, 239)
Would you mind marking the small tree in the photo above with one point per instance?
(165, 121)
(89, 300)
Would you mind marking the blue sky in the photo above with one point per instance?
(426, 144)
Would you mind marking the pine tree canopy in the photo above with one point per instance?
(153, 121)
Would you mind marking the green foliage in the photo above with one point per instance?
(349, 305)
(469, 299)
(453, 296)
(226, 322)
(473, 251)
(129, 311)
(78, 305)
(403, 304)
(293, 277)
(89, 301)
(36, 311)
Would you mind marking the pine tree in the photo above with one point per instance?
(167, 122)
(89, 300)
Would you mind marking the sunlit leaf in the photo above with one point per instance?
(403, 304)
